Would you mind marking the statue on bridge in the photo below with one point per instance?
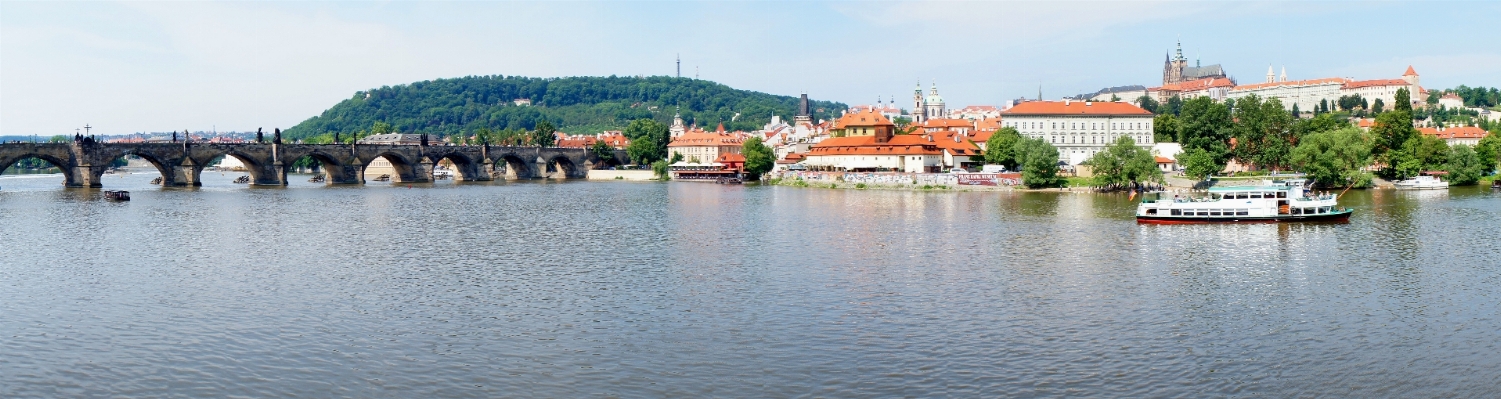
(259, 138)
(424, 139)
(174, 137)
(277, 139)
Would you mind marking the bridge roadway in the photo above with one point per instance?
(181, 164)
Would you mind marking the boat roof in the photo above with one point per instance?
(1248, 188)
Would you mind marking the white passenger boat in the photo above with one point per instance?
(1272, 202)
(1422, 183)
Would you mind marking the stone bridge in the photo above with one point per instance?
(182, 163)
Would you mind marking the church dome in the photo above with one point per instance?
(933, 99)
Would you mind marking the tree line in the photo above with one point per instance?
(464, 106)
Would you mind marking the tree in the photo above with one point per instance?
(603, 152)
(1123, 164)
(1465, 167)
(1489, 150)
(1115, 98)
(1199, 164)
(1433, 96)
(1206, 126)
(1333, 158)
(1264, 134)
(1147, 103)
(1039, 163)
(1175, 105)
(545, 135)
(1418, 155)
(1297, 113)
(380, 128)
(1165, 129)
(1001, 148)
(661, 170)
(1377, 106)
(902, 123)
(648, 141)
(676, 157)
(1319, 123)
(1403, 101)
(758, 158)
(1390, 135)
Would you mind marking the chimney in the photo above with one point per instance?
(1087, 103)
(1065, 102)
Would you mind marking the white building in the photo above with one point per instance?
(1467, 135)
(1451, 101)
(1307, 94)
(1080, 129)
(976, 112)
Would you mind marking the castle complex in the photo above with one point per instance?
(1175, 69)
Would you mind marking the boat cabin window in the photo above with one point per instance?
(1256, 194)
(1297, 211)
(1214, 212)
(1240, 196)
(1242, 212)
(1281, 194)
(1177, 212)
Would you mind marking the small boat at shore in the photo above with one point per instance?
(1274, 202)
(117, 195)
(1422, 183)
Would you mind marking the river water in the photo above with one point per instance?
(618, 289)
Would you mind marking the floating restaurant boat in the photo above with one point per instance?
(1422, 183)
(1274, 202)
(117, 195)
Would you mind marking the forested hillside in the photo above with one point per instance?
(575, 104)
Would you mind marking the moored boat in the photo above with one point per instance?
(117, 195)
(1279, 201)
(1422, 183)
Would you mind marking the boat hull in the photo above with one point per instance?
(1336, 217)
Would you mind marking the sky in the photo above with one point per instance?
(238, 66)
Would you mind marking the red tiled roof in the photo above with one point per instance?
(862, 118)
(945, 123)
(1374, 82)
(730, 158)
(1410, 72)
(1198, 84)
(1075, 108)
(699, 138)
(1464, 132)
(1165, 160)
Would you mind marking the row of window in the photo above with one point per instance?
(1079, 126)
(1250, 195)
(1211, 212)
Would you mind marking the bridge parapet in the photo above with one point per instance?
(182, 163)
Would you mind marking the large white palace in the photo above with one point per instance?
(1307, 94)
(1080, 129)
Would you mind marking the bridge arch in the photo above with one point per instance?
(253, 166)
(7, 161)
(515, 166)
(402, 170)
(163, 166)
(464, 167)
(326, 165)
(565, 165)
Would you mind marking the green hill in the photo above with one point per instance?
(575, 104)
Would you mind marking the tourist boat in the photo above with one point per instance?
(728, 180)
(383, 178)
(243, 179)
(117, 195)
(1273, 202)
(316, 179)
(1422, 183)
(157, 181)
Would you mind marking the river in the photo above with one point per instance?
(620, 289)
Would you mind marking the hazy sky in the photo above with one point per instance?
(129, 67)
